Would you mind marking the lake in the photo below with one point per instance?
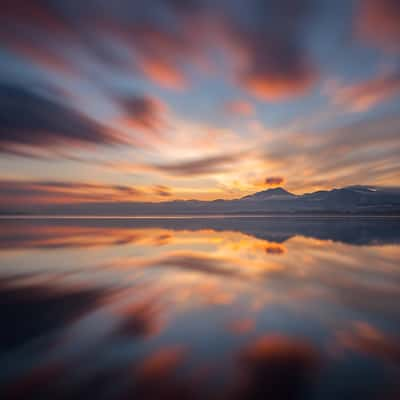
(200, 308)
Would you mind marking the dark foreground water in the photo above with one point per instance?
(235, 309)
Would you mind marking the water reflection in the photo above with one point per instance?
(230, 309)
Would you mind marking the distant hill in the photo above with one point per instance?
(347, 200)
(269, 194)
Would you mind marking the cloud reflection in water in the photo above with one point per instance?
(122, 310)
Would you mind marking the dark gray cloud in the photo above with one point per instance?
(274, 180)
(25, 309)
(33, 119)
(162, 190)
(277, 367)
(141, 320)
(144, 111)
(278, 63)
(200, 166)
(197, 262)
(41, 120)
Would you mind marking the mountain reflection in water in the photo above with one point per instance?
(236, 308)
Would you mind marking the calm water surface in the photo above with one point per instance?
(200, 308)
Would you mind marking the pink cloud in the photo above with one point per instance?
(378, 21)
(239, 107)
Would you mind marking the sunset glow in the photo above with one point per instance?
(162, 100)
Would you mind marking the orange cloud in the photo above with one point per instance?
(161, 363)
(275, 347)
(275, 87)
(239, 107)
(165, 74)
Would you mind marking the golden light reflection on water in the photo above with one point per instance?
(184, 312)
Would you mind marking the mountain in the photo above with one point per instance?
(353, 199)
(277, 194)
(347, 200)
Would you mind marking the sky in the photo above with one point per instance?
(196, 99)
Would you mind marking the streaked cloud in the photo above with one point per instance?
(362, 96)
(186, 168)
(271, 59)
(51, 125)
(201, 166)
(46, 123)
(148, 93)
(17, 192)
(188, 261)
(364, 151)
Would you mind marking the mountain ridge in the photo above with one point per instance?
(269, 193)
(355, 199)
